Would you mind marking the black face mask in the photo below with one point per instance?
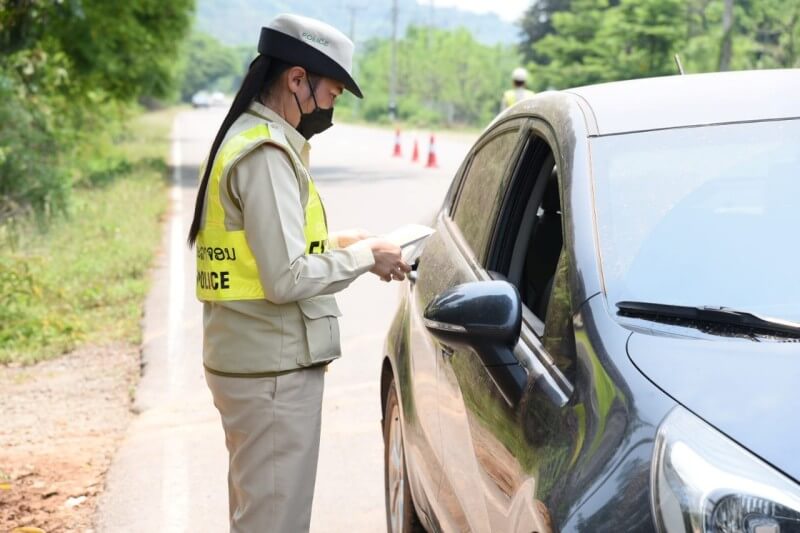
(316, 121)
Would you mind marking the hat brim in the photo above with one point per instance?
(286, 48)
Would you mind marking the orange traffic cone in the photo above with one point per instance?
(432, 154)
(415, 152)
(397, 150)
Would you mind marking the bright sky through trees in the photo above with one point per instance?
(510, 10)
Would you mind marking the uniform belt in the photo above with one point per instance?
(262, 374)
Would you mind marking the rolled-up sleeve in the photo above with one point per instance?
(273, 217)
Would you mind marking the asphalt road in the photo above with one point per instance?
(169, 473)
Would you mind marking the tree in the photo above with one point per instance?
(775, 27)
(207, 61)
(444, 76)
(742, 34)
(125, 49)
(641, 37)
(536, 23)
(726, 50)
(574, 55)
(599, 40)
(68, 69)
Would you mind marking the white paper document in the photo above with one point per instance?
(408, 234)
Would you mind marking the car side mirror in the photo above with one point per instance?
(485, 316)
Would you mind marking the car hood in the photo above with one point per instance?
(746, 389)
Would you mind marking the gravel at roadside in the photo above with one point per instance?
(62, 420)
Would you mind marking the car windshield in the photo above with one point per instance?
(704, 216)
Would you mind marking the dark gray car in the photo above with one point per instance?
(604, 332)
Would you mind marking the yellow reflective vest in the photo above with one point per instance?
(512, 96)
(226, 268)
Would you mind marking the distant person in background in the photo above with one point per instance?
(267, 271)
(519, 77)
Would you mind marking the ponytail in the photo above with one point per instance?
(261, 75)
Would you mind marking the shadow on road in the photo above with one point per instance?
(189, 175)
(346, 173)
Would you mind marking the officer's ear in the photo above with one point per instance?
(295, 77)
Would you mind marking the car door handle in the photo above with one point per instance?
(412, 276)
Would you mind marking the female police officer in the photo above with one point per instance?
(267, 270)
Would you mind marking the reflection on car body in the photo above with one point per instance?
(518, 398)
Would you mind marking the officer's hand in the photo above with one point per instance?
(389, 262)
(351, 236)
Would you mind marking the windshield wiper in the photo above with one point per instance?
(715, 315)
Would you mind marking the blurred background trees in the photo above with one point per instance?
(448, 77)
(444, 77)
(69, 70)
(210, 65)
(574, 42)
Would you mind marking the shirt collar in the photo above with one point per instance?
(297, 141)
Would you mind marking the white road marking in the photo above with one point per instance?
(176, 276)
(175, 472)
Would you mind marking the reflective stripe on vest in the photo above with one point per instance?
(226, 268)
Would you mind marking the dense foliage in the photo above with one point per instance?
(443, 77)
(85, 280)
(210, 65)
(70, 68)
(576, 42)
(68, 71)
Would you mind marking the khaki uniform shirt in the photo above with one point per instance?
(296, 324)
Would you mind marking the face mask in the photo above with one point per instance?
(317, 120)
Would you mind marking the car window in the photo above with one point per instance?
(528, 250)
(482, 190)
(528, 239)
(559, 335)
(544, 280)
(543, 249)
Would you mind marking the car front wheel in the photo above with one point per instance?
(401, 517)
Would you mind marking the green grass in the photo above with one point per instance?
(83, 279)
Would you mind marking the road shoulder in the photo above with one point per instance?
(62, 422)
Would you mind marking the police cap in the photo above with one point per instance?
(311, 44)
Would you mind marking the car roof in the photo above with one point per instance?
(691, 100)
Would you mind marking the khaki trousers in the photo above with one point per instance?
(272, 428)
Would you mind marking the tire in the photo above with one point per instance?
(401, 517)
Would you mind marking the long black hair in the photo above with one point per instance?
(264, 71)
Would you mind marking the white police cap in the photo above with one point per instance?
(318, 47)
(519, 74)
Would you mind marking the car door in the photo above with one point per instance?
(447, 260)
(491, 460)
